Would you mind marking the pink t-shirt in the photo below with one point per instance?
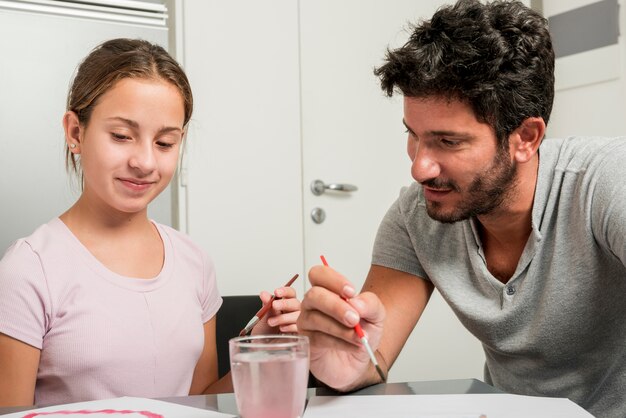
(102, 335)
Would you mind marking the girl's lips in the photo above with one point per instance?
(136, 185)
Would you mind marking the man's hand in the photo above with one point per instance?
(337, 356)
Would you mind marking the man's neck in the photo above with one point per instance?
(504, 232)
(512, 221)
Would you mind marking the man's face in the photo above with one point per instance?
(457, 159)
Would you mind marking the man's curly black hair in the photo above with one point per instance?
(497, 57)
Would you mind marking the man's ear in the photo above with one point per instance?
(73, 131)
(525, 140)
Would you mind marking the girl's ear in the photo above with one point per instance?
(525, 140)
(73, 131)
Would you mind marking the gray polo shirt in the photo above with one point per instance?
(558, 327)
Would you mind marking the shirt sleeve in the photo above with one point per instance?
(607, 201)
(210, 299)
(24, 295)
(393, 247)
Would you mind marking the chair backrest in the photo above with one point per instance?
(233, 315)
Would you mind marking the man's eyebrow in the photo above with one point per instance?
(135, 125)
(453, 134)
(407, 126)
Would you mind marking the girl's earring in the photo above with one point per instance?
(72, 146)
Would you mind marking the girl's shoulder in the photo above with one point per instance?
(178, 239)
(183, 248)
(47, 238)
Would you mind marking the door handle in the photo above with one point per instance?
(318, 187)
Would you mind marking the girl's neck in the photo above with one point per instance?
(99, 219)
(127, 244)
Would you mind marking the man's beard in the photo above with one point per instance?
(485, 193)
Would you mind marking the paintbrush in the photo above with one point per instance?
(261, 313)
(363, 338)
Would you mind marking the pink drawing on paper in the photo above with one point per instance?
(146, 414)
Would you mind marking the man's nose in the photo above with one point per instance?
(424, 164)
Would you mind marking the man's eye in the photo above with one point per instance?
(449, 143)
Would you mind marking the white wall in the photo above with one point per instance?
(598, 108)
(242, 168)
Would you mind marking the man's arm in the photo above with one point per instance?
(405, 297)
(391, 301)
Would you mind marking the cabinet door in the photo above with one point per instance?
(40, 51)
(242, 165)
(352, 134)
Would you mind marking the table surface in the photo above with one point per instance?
(226, 402)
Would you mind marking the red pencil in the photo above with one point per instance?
(361, 334)
(261, 313)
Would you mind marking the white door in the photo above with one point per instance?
(242, 169)
(353, 134)
(284, 95)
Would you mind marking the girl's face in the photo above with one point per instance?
(129, 148)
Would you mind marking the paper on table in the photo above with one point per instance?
(443, 406)
(126, 407)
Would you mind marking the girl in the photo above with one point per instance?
(102, 302)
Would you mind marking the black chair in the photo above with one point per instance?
(233, 315)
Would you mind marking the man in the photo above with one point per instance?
(523, 237)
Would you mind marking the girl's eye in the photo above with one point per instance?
(119, 137)
(162, 144)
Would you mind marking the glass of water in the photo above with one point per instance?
(270, 375)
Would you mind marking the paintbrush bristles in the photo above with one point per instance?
(380, 373)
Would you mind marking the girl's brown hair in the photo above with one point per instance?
(113, 61)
